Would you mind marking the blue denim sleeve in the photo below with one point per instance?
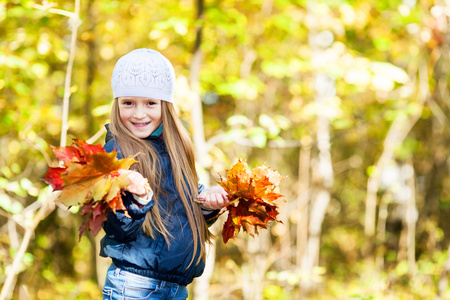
(211, 218)
(122, 228)
(119, 226)
(201, 188)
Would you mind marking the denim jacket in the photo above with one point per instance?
(133, 251)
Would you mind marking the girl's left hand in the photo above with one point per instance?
(214, 198)
(138, 184)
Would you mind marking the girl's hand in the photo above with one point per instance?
(214, 198)
(138, 184)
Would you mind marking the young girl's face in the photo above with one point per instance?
(140, 115)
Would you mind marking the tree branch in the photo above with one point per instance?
(45, 209)
(397, 133)
(73, 46)
(48, 205)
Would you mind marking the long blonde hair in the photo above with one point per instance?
(181, 154)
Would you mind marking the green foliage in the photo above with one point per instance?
(258, 85)
(274, 292)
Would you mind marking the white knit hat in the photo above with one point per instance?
(144, 73)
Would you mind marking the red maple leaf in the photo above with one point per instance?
(253, 199)
(89, 177)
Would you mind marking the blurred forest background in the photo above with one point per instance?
(348, 99)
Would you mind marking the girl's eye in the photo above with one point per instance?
(127, 103)
(151, 103)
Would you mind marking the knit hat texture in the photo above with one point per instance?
(144, 73)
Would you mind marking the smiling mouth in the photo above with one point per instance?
(140, 124)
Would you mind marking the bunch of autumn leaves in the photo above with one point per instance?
(253, 197)
(90, 177)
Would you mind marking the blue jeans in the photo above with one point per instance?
(123, 285)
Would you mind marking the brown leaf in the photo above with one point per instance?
(252, 200)
(67, 154)
(229, 230)
(89, 178)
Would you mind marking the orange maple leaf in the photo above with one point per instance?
(89, 177)
(253, 200)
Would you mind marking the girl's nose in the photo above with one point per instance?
(139, 114)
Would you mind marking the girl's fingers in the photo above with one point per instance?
(138, 184)
(123, 171)
(213, 201)
(216, 201)
(224, 195)
(213, 198)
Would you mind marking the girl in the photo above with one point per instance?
(160, 247)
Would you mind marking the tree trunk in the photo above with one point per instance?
(101, 263)
(255, 265)
(324, 178)
(411, 219)
(381, 230)
(91, 65)
(201, 284)
(396, 135)
(324, 87)
(68, 78)
(303, 200)
(443, 281)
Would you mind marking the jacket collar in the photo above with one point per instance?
(157, 133)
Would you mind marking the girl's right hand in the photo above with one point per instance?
(138, 184)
